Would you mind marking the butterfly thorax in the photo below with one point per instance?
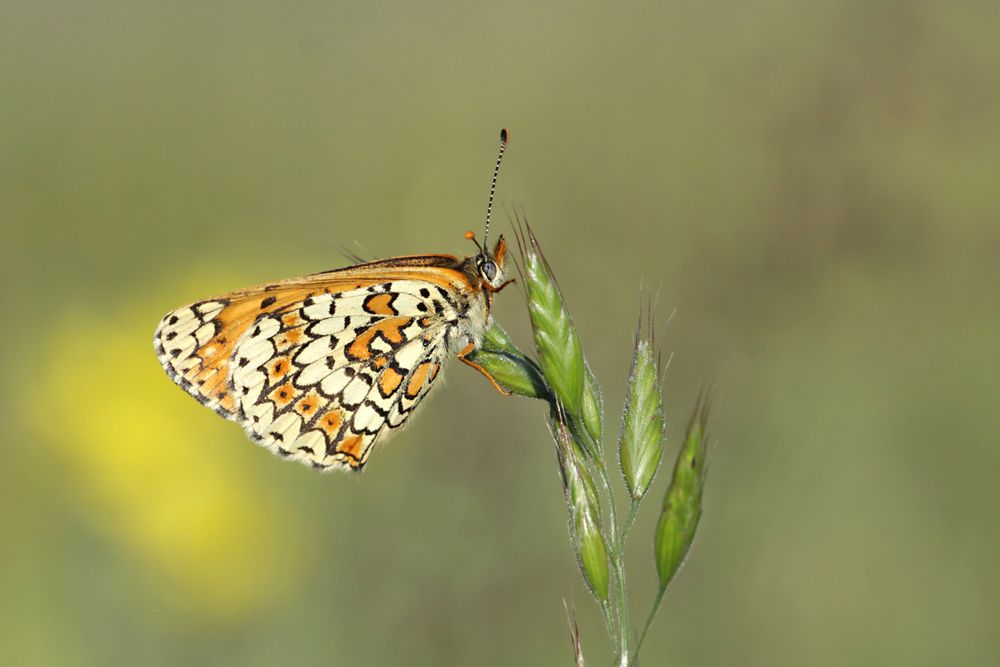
(473, 322)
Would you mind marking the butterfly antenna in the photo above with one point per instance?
(471, 236)
(493, 185)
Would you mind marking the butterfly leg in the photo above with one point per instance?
(462, 356)
(494, 290)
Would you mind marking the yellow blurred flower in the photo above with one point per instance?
(154, 471)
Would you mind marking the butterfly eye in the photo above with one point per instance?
(489, 271)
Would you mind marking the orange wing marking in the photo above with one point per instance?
(380, 304)
(284, 394)
(389, 381)
(330, 422)
(353, 446)
(390, 329)
(417, 379)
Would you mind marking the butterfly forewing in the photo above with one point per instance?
(316, 369)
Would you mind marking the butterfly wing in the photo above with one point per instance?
(315, 369)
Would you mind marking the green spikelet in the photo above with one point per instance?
(640, 444)
(682, 502)
(584, 511)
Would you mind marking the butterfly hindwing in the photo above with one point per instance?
(316, 370)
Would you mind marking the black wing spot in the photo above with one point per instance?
(172, 320)
(424, 292)
(268, 301)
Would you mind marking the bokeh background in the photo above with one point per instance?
(811, 186)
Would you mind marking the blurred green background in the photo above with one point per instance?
(812, 186)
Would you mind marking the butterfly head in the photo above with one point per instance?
(490, 266)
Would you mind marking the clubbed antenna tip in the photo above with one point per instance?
(493, 185)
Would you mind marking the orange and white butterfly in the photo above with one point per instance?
(317, 368)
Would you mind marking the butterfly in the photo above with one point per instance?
(317, 369)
